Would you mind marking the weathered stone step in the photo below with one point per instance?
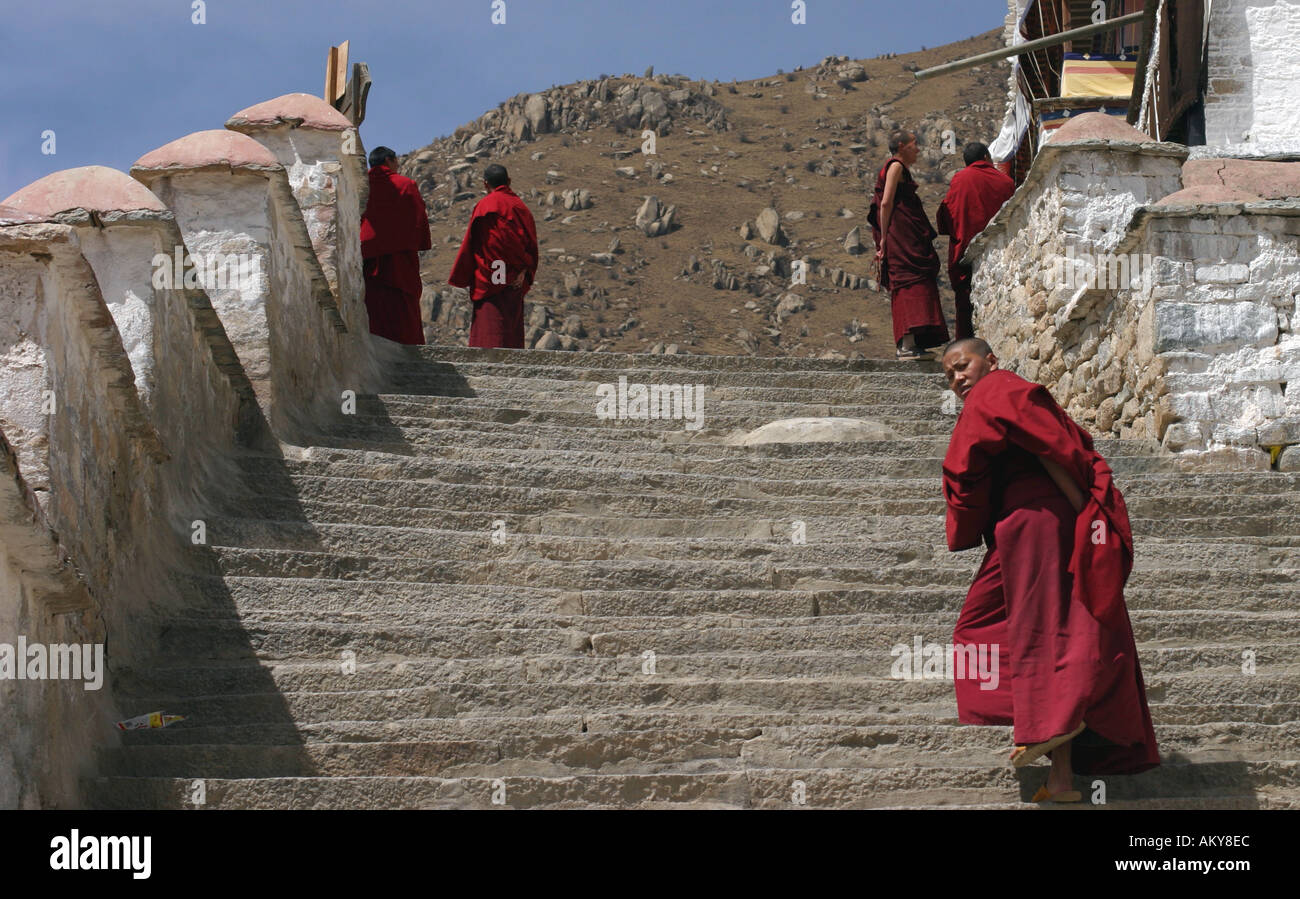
(681, 496)
(772, 461)
(191, 639)
(723, 417)
(382, 673)
(798, 462)
(583, 396)
(511, 361)
(748, 788)
(334, 601)
(570, 430)
(551, 754)
(784, 566)
(685, 450)
(836, 539)
(558, 523)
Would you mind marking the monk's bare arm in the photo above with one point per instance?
(1065, 482)
(892, 178)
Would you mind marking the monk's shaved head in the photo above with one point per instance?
(965, 362)
(496, 175)
(976, 345)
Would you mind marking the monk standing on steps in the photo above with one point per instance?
(1049, 597)
(497, 261)
(394, 229)
(974, 196)
(909, 266)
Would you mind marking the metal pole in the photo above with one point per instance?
(1029, 46)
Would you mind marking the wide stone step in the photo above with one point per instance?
(365, 672)
(772, 461)
(336, 600)
(673, 495)
(704, 454)
(780, 565)
(513, 361)
(1234, 783)
(571, 430)
(1192, 698)
(191, 639)
(583, 396)
(720, 417)
(302, 512)
(836, 539)
(559, 754)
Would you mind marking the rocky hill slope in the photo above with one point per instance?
(671, 251)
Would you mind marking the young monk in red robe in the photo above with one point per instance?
(975, 194)
(497, 260)
(1049, 597)
(394, 229)
(909, 266)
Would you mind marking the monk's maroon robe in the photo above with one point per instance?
(394, 228)
(975, 194)
(1050, 592)
(910, 269)
(500, 230)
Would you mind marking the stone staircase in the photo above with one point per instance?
(474, 592)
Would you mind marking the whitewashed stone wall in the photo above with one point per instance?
(285, 324)
(24, 375)
(1253, 76)
(122, 482)
(1225, 316)
(329, 188)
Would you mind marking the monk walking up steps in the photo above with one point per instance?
(974, 196)
(497, 262)
(1049, 597)
(394, 229)
(909, 266)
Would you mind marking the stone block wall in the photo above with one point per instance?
(1225, 315)
(1156, 299)
(1087, 340)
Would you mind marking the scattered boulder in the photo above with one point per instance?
(852, 71)
(853, 242)
(788, 305)
(654, 218)
(577, 198)
(548, 341)
(768, 224)
(573, 327)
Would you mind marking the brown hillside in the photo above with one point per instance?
(807, 143)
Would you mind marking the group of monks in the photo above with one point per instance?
(908, 263)
(497, 259)
(1020, 476)
(498, 256)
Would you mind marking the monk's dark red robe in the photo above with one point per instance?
(975, 194)
(394, 228)
(1050, 592)
(910, 268)
(500, 229)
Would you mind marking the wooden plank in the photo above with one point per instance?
(336, 73)
(353, 102)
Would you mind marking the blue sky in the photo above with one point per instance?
(116, 78)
